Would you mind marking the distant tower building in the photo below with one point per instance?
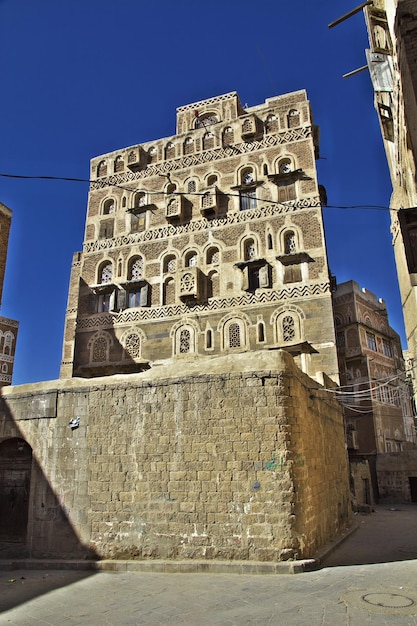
(376, 398)
(204, 243)
(8, 327)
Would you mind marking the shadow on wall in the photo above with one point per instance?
(33, 524)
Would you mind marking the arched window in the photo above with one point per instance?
(206, 119)
(119, 164)
(228, 136)
(247, 194)
(131, 158)
(191, 259)
(109, 206)
(119, 267)
(188, 147)
(192, 187)
(184, 341)
(249, 250)
(208, 141)
(4, 368)
(261, 332)
(124, 202)
(271, 124)
(285, 166)
(288, 328)
(105, 273)
(139, 200)
(132, 344)
(270, 244)
(8, 342)
(234, 339)
(293, 118)
(209, 339)
(213, 285)
(152, 155)
(213, 256)
(99, 350)
(171, 188)
(102, 168)
(169, 291)
(169, 264)
(290, 242)
(212, 180)
(170, 151)
(136, 268)
(247, 176)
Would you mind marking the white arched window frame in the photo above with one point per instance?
(234, 332)
(109, 206)
(105, 273)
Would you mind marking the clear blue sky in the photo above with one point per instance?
(81, 78)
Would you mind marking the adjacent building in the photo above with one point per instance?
(374, 390)
(8, 327)
(204, 243)
(392, 60)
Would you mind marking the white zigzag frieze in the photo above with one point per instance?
(215, 304)
(268, 210)
(226, 96)
(200, 158)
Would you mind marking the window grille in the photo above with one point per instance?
(288, 328)
(106, 275)
(133, 345)
(192, 187)
(185, 341)
(99, 350)
(136, 270)
(290, 245)
(213, 256)
(234, 335)
(173, 207)
(250, 250)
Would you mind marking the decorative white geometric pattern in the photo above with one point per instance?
(215, 304)
(288, 136)
(133, 345)
(268, 210)
(187, 283)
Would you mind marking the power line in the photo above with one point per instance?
(194, 193)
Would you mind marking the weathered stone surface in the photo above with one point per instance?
(168, 466)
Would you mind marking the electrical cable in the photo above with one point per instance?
(195, 193)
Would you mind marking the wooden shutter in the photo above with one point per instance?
(144, 294)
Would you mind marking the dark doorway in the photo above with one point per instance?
(413, 488)
(15, 471)
(366, 491)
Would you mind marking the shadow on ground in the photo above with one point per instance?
(19, 586)
(387, 535)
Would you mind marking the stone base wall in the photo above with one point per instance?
(394, 471)
(239, 457)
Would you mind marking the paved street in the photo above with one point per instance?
(354, 595)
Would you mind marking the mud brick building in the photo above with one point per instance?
(191, 418)
(204, 243)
